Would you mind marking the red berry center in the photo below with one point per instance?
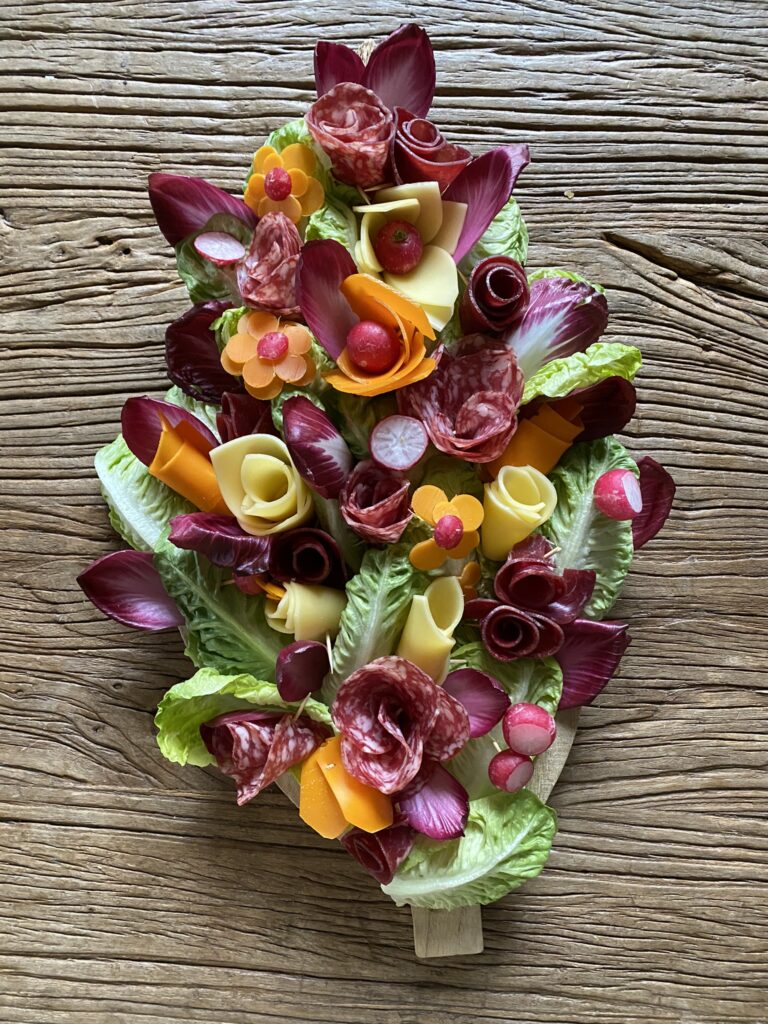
(277, 184)
(272, 347)
(448, 532)
(398, 247)
(372, 346)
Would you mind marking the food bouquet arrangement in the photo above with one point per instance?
(382, 501)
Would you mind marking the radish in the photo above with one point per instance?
(373, 347)
(398, 442)
(528, 729)
(617, 494)
(220, 248)
(510, 771)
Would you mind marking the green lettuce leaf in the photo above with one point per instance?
(538, 275)
(506, 235)
(587, 539)
(331, 520)
(506, 841)
(205, 280)
(378, 601)
(226, 325)
(225, 628)
(452, 476)
(562, 376)
(290, 133)
(333, 220)
(186, 706)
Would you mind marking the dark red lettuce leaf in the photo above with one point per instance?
(401, 70)
(126, 586)
(183, 205)
(307, 555)
(322, 267)
(381, 853)
(242, 414)
(589, 657)
(192, 355)
(223, 542)
(336, 63)
(435, 803)
(320, 453)
(483, 697)
(141, 425)
(658, 492)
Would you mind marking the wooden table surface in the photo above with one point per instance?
(135, 891)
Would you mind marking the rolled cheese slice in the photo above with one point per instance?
(518, 501)
(306, 612)
(427, 637)
(260, 484)
(181, 462)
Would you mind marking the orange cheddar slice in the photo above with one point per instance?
(318, 807)
(531, 446)
(362, 806)
(181, 462)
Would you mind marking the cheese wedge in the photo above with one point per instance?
(433, 285)
(454, 215)
(318, 807)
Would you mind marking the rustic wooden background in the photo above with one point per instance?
(132, 891)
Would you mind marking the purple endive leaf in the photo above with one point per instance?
(589, 657)
(435, 803)
(126, 586)
(321, 454)
(336, 63)
(401, 70)
(222, 540)
(608, 406)
(141, 425)
(183, 205)
(242, 414)
(484, 698)
(485, 186)
(192, 355)
(658, 492)
(300, 669)
(380, 853)
(322, 267)
(563, 317)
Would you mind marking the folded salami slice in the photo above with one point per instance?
(374, 503)
(382, 853)
(267, 276)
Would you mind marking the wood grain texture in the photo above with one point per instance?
(135, 892)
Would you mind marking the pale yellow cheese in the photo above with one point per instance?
(427, 637)
(454, 215)
(306, 612)
(518, 501)
(427, 193)
(433, 285)
(260, 484)
(375, 216)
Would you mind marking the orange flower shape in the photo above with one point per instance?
(456, 523)
(371, 299)
(284, 182)
(268, 354)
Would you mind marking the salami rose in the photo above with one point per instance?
(374, 503)
(391, 715)
(267, 276)
(355, 130)
(529, 579)
(256, 747)
(469, 403)
(380, 853)
(421, 153)
(496, 297)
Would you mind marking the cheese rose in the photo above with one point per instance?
(260, 484)
(518, 501)
(308, 612)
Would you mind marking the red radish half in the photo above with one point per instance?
(617, 494)
(219, 247)
(510, 771)
(398, 442)
(528, 729)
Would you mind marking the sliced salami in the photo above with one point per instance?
(382, 853)
(450, 730)
(375, 504)
(469, 404)
(355, 130)
(267, 276)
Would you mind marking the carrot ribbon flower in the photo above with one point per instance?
(455, 523)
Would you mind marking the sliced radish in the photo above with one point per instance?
(510, 771)
(219, 247)
(528, 729)
(398, 442)
(617, 494)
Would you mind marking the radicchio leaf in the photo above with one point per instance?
(192, 355)
(242, 414)
(300, 669)
(658, 492)
(141, 425)
(222, 540)
(589, 657)
(485, 185)
(435, 803)
(322, 267)
(126, 586)
(381, 853)
(401, 70)
(484, 698)
(336, 63)
(607, 407)
(183, 205)
(320, 453)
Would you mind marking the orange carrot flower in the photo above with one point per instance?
(284, 182)
(268, 353)
(455, 523)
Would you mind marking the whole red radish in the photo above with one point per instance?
(617, 494)
(373, 347)
(528, 729)
(510, 771)
(398, 247)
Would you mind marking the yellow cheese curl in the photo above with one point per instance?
(260, 484)
(518, 501)
(427, 638)
(307, 612)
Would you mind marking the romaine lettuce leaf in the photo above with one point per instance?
(562, 376)
(205, 412)
(506, 841)
(204, 279)
(583, 536)
(207, 694)
(226, 325)
(453, 476)
(506, 235)
(543, 272)
(333, 220)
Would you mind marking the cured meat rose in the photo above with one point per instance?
(380, 853)
(469, 404)
(267, 276)
(497, 296)
(390, 715)
(374, 503)
(256, 747)
(421, 153)
(529, 579)
(354, 128)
